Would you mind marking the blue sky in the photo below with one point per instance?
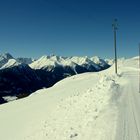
(31, 28)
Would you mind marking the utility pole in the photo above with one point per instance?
(115, 27)
(139, 68)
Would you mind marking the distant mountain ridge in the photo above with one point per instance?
(22, 76)
(4, 58)
(54, 61)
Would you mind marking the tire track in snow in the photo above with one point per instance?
(135, 114)
(129, 122)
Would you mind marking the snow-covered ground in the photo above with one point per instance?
(90, 106)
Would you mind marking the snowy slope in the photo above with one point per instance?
(10, 63)
(99, 106)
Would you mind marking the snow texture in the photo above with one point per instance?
(10, 63)
(53, 61)
(89, 106)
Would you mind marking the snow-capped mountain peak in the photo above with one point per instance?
(10, 63)
(6, 56)
(96, 59)
(80, 60)
(55, 61)
(44, 61)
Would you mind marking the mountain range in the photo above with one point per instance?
(20, 77)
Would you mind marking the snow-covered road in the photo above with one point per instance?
(129, 118)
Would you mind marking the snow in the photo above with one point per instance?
(44, 61)
(96, 59)
(109, 61)
(80, 60)
(53, 61)
(9, 98)
(99, 106)
(4, 58)
(10, 63)
(84, 61)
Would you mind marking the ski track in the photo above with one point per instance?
(129, 117)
